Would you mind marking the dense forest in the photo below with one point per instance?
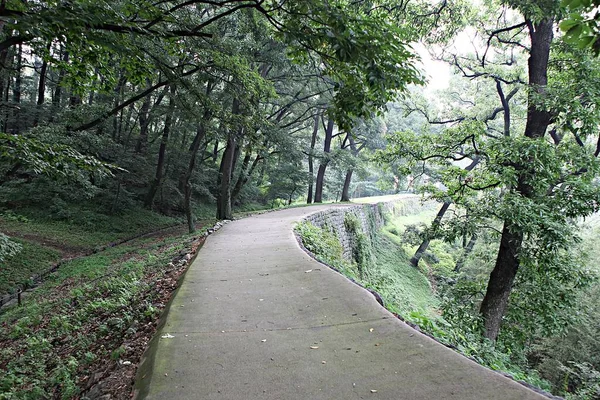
(181, 109)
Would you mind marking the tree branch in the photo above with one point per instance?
(496, 33)
(135, 98)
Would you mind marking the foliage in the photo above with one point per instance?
(57, 161)
(8, 248)
(362, 249)
(323, 243)
(581, 25)
(33, 259)
(367, 71)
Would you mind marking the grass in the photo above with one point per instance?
(405, 290)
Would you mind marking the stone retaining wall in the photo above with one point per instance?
(371, 217)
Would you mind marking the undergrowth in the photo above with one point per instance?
(81, 229)
(31, 259)
(76, 322)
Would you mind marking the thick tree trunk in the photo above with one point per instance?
(155, 184)
(346, 189)
(538, 119)
(501, 281)
(507, 262)
(228, 161)
(319, 183)
(224, 210)
(323, 164)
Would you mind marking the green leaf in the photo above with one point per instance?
(573, 34)
(568, 24)
(586, 41)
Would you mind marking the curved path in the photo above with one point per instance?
(250, 322)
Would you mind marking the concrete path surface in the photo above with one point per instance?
(250, 322)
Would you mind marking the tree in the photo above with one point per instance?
(533, 179)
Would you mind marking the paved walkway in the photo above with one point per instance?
(251, 322)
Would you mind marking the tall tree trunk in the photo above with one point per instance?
(116, 132)
(355, 150)
(155, 184)
(57, 97)
(346, 189)
(323, 164)
(224, 210)
(187, 186)
(41, 91)
(311, 172)
(5, 62)
(425, 244)
(215, 152)
(246, 171)
(15, 127)
(507, 264)
(144, 119)
(228, 161)
(466, 251)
